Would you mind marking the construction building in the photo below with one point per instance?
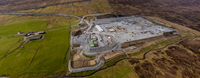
(99, 28)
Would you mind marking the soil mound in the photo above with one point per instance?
(110, 16)
(168, 34)
(133, 61)
(77, 33)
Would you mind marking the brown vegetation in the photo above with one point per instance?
(179, 61)
(133, 61)
(193, 45)
(20, 4)
(146, 70)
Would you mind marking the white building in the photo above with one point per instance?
(20, 33)
(99, 28)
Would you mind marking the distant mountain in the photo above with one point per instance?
(19, 4)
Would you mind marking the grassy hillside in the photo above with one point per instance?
(52, 55)
(79, 9)
(19, 4)
(37, 58)
(46, 56)
(16, 63)
(8, 44)
(24, 26)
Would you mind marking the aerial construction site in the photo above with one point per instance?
(105, 38)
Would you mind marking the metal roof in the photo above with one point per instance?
(99, 28)
(35, 38)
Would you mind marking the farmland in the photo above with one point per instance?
(17, 62)
(10, 43)
(52, 55)
(35, 58)
(24, 26)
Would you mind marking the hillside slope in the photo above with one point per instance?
(19, 4)
(183, 12)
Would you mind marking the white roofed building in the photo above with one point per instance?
(99, 28)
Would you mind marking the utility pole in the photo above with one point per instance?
(117, 20)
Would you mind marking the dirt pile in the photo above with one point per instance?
(110, 16)
(168, 34)
(77, 33)
(76, 45)
(183, 12)
(140, 42)
(133, 61)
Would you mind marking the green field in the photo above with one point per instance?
(52, 55)
(49, 55)
(18, 61)
(24, 26)
(36, 58)
(8, 43)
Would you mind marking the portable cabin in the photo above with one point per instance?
(91, 45)
(94, 39)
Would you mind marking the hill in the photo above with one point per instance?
(183, 12)
(19, 4)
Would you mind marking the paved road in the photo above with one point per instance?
(92, 15)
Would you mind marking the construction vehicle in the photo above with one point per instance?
(109, 42)
(131, 35)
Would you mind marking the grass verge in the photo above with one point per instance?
(88, 56)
